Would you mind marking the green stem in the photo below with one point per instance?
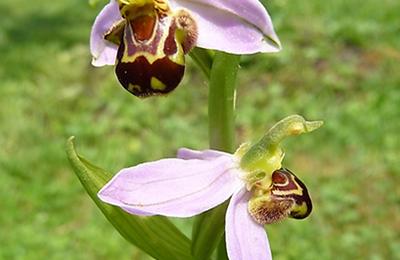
(208, 227)
(221, 102)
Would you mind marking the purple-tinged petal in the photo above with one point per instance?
(103, 51)
(233, 26)
(185, 153)
(173, 187)
(245, 239)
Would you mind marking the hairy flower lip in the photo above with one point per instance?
(225, 25)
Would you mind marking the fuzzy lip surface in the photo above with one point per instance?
(237, 27)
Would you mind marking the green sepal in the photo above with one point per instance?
(155, 235)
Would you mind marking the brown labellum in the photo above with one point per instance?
(153, 41)
(287, 196)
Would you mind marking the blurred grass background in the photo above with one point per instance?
(340, 62)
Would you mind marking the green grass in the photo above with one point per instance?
(340, 63)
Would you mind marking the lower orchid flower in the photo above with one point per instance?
(261, 191)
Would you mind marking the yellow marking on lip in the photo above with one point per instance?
(152, 44)
(300, 210)
(157, 84)
(134, 87)
(288, 192)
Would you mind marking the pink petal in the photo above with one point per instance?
(104, 52)
(245, 239)
(233, 26)
(173, 187)
(185, 153)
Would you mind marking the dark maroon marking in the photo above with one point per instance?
(170, 45)
(134, 45)
(299, 199)
(291, 184)
(141, 71)
(278, 177)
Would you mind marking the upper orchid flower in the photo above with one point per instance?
(148, 39)
(262, 191)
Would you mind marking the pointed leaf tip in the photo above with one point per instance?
(153, 234)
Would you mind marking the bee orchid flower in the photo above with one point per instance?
(261, 191)
(148, 39)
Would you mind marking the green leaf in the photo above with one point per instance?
(155, 235)
(204, 59)
(222, 254)
(208, 229)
